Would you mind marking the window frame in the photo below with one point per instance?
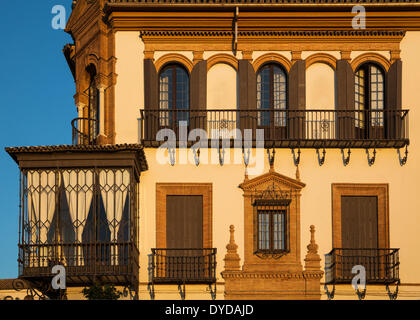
(379, 190)
(174, 66)
(278, 117)
(93, 104)
(166, 116)
(366, 114)
(280, 207)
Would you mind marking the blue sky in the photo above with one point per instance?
(36, 101)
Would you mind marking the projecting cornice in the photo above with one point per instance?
(245, 3)
(299, 40)
(259, 18)
(304, 33)
(37, 154)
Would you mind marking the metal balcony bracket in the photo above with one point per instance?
(172, 155)
(296, 160)
(132, 292)
(151, 289)
(393, 295)
(271, 156)
(181, 289)
(196, 152)
(346, 160)
(330, 294)
(361, 294)
(403, 160)
(213, 291)
(221, 156)
(247, 155)
(33, 290)
(371, 160)
(321, 160)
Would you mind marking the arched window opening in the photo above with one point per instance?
(93, 107)
(369, 101)
(272, 97)
(174, 95)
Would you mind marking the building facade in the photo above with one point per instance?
(232, 149)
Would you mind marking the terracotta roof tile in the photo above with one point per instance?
(14, 151)
(76, 148)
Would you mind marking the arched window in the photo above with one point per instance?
(93, 108)
(369, 101)
(272, 96)
(174, 95)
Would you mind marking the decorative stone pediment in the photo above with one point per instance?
(271, 179)
(272, 191)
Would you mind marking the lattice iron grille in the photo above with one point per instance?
(77, 217)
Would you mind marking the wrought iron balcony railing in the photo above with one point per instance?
(182, 266)
(84, 131)
(381, 265)
(284, 128)
(115, 263)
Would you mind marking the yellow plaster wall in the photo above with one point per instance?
(222, 89)
(129, 90)
(187, 54)
(355, 54)
(257, 54)
(320, 78)
(335, 54)
(404, 200)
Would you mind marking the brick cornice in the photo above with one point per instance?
(272, 275)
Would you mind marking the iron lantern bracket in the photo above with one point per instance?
(321, 159)
(403, 160)
(296, 160)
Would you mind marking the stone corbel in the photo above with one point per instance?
(247, 55)
(345, 55)
(81, 98)
(149, 55)
(296, 55)
(198, 56)
(80, 109)
(395, 55)
(102, 80)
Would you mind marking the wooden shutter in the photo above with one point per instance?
(247, 99)
(184, 230)
(345, 99)
(198, 83)
(359, 226)
(359, 222)
(297, 99)
(151, 100)
(184, 222)
(393, 98)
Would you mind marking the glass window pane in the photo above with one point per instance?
(168, 96)
(263, 231)
(359, 98)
